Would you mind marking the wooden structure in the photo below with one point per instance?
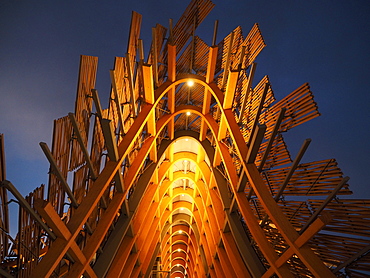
(185, 174)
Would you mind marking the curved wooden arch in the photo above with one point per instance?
(191, 245)
(160, 92)
(167, 257)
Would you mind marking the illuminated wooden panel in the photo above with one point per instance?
(133, 40)
(28, 245)
(254, 43)
(198, 52)
(86, 82)
(314, 178)
(300, 106)
(251, 115)
(61, 149)
(183, 29)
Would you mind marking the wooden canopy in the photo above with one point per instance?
(185, 174)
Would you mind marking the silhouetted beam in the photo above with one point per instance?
(116, 100)
(324, 204)
(9, 186)
(154, 57)
(109, 136)
(227, 62)
(131, 86)
(294, 166)
(215, 33)
(272, 138)
(82, 145)
(192, 47)
(96, 100)
(109, 139)
(170, 38)
(260, 107)
(141, 50)
(255, 144)
(246, 95)
(55, 170)
(353, 258)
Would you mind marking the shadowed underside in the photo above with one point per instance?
(186, 173)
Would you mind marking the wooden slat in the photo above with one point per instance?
(83, 107)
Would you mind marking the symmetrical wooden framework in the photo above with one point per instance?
(176, 180)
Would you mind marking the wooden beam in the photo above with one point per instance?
(246, 94)
(324, 204)
(79, 138)
(155, 57)
(272, 138)
(319, 223)
(227, 62)
(255, 144)
(22, 202)
(58, 173)
(116, 100)
(49, 263)
(131, 86)
(259, 109)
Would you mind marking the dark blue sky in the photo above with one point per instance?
(325, 43)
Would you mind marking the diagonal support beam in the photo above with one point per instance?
(58, 173)
(78, 134)
(249, 85)
(63, 238)
(319, 223)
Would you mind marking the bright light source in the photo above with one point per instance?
(190, 83)
(178, 265)
(180, 231)
(179, 250)
(182, 195)
(188, 113)
(181, 208)
(186, 139)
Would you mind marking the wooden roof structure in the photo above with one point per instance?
(176, 179)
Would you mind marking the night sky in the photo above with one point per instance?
(325, 43)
